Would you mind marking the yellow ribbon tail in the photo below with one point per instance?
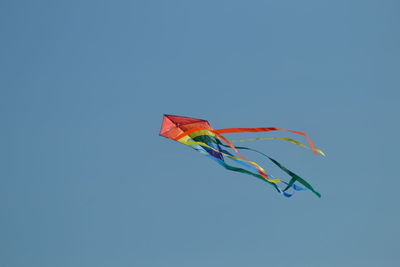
(319, 151)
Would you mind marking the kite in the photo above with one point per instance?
(199, 135)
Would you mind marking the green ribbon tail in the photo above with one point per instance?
(294, 176)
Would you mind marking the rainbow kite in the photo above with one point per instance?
(199, 135)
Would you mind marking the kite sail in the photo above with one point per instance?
(199, 135)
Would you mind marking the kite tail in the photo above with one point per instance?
(202, 131)
(241, 170)
(201, 147)
(220, 140)
(319, 151)
(253, 130)
(294, 176)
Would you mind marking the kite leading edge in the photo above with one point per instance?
(199, 135)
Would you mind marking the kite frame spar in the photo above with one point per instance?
(198, 134)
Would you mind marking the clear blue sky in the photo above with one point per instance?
(85, 180)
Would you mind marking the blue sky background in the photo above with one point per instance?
(85, 180)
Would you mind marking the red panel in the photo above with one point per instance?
(166, 125)
(173, 126)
